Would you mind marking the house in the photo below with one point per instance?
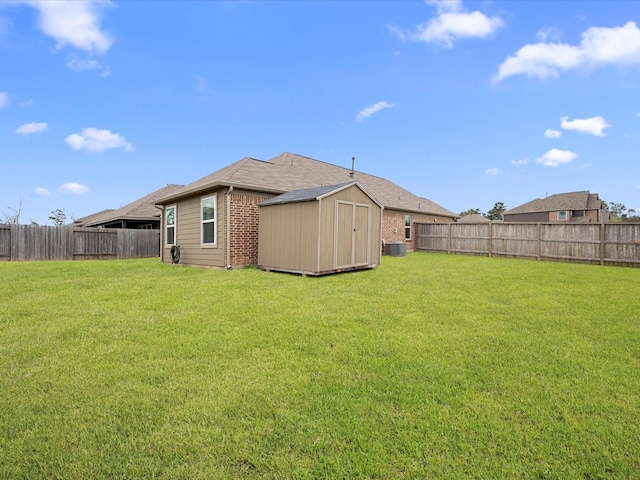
(336, 228)
(473, 218)
(215, 220)
(573, 207)
(139, 214)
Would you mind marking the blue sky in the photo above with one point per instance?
(467, 103)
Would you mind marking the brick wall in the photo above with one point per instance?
(244, 229)
(393, 226)
(593, 215)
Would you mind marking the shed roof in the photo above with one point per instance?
(582, 200)
(288, 172)
(141, 209)
(309, 194)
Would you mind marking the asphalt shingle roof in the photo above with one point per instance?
(582, 200)
(288, 172)
(141, 209)
(304, 195)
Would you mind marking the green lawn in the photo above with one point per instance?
(429, 366)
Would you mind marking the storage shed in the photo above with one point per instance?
(316, 231)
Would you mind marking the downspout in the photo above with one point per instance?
(228, 239)
(161, 208)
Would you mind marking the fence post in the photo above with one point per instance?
(490, 245)
(602, 237)
(539, 241)
(14, 252)
(449, 240)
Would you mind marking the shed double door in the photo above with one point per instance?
(353, 234)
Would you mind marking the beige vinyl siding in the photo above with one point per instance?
(188, 232)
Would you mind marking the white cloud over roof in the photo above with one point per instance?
(94, 140)
(599, 47)
(4, 99)
(74, 188)
(367, 112)
(555, 157)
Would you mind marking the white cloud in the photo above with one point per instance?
(74, 23)
(41, 192)
(599, 47)
(451, 24)
(492, 172)
(367, 112)
(97, 141)
(75, 188)
(202, 84)
(4, 99)
(522, 161)
(555, 157)
(4, 25)
(29, 128)
(552, 133)
(548, 33)
(79, 64)
(592, 126)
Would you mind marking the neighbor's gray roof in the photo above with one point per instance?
(474, 218)
(561, 201)
(141, 209)
(288, 172)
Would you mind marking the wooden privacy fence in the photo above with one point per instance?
(34, 242)
(600, 243)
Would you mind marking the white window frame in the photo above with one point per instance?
(407, 228)
(566, 216)
(174, 226)
(214, 220)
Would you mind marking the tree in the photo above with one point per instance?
(617, 209)
(12, 217)
(471, 211)
(58, 217)
(496, 212)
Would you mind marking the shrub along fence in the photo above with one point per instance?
(34, 242)
(598, 243)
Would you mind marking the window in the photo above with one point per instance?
(170, 224)
(562, 215)
(407, 227)
(208, 208)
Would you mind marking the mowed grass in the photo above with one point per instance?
(429, 366)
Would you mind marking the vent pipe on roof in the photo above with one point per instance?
(353, 163)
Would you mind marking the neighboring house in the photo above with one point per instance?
(139, 214)
(573, 207)
(215, 220)
(473, 218)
